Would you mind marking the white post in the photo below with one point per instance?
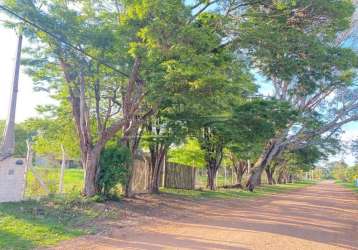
(27, 166)
(8, 145)
(63, 166)
(225, 176)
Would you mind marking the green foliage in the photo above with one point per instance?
(22, 133)
(113, 169)
(303, 159)
(339, 171)
(352, 173)
(189, 154)
(194, 79)
(344, 173)
(50, 133)
(255, 122)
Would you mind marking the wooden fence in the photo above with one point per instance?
(173, 176)
(179, 176)
(141, 172)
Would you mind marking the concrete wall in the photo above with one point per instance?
(12, 179)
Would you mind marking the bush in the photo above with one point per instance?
(113, 170)
(352, 173)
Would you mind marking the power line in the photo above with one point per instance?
(68, 44)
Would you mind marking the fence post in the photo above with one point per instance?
(27, 165)
(225, 176)
(63, 165)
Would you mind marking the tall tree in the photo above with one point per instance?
(292, 44)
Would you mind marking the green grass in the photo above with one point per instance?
(33, 224)
(236, 193)
(73, 181)
(220, 180)
(349, 185)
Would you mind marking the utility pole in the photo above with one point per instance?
(7, 147)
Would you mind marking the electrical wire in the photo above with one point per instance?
(68, 44)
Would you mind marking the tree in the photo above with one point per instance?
(295, 51)
(115, 71)
(160, 133)
(354, 148)
(338, 170)
(70, 40)
(240, 167)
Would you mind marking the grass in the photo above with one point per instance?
(349, 185)
(236, 193)
(32, 224)
(220, 180)
(73, 181)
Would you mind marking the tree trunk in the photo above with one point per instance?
(290, 178)
(272, 150)
(240, 167)
(156, 166)
(280, 178)
(212, 172)
(269, 176)
(238, 180)
(270, 170)
(90, 163)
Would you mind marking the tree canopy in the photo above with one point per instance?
(178, 77)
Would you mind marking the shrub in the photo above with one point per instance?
(113, 170)
(352, 173)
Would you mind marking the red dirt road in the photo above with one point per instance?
(323, 216)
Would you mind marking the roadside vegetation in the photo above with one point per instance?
(45, 222)
(73, 181)
(235, 193)
(344, 175)
(261, 89)
(351, 185)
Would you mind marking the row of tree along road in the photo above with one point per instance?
(180, 80)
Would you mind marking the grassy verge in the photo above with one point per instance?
(349, 185)
(73, 181)
(237, 193)
(33, 224)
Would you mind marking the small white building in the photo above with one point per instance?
(12, 179)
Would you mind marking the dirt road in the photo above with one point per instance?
(324, 216)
